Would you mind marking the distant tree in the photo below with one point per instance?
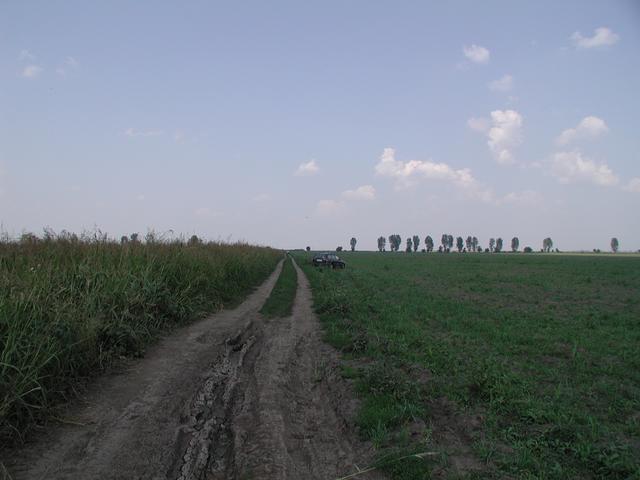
(428, 242)
(409, 245)
(449, 242)
(353, 244)
(515, 243)
(478, 248)
(459, 244)
(486, 250)
(444, 240)
(499, 245)
(338, 249)
(614, 245)
(528, 250)
(416, 242)
(194, 240)
(381, 243)
(474, 242)
(547, 244)
(124, 239)
(308, 249)
(394, 242)
(440, 249)
(492, 244)
(134, 237)
(469, 243)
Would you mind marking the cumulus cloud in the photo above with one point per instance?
(476, 54)
(307, 169)
(602, 37)
(503, 84)
(32, 71)
(406, 173)
(633, 185)
(504, 133)
(132, 132)
(570, 167)
(589, 127)
(365, 192)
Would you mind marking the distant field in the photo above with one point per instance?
(69, 308)
(499, 366)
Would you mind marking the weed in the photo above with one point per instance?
(71, 306)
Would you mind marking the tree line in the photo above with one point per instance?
(470, 244)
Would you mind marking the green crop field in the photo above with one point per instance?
(491, 365)
(70, 307)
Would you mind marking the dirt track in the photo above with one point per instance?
(233, 396)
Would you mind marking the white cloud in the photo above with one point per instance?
(26, 55)
(32, 71)
(365, 192)
(633, 185)
(588, 127)
(570, 167)
(504, 135)
(408, 173)
(476, 53)
(602, 37)
(307, 169)
(479, 124)
(328, 207)
(503, 84)
(132, 132)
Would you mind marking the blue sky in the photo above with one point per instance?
(298, 123)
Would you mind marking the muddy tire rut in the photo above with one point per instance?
(234, 396)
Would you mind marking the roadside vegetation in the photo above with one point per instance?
(70, 307)
(490, 366)
(280, 302)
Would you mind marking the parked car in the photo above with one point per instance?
(328, 259)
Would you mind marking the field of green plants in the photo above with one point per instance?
(491, 365)
(280, 301)
(70, 307)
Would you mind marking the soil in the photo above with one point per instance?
(234, 396)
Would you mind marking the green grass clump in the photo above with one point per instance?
(543, 348)
(69, 308)
(280, 302)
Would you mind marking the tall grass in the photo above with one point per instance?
(70, 307)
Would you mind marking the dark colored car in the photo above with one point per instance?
(328, 259)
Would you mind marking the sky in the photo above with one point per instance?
(295, 124)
